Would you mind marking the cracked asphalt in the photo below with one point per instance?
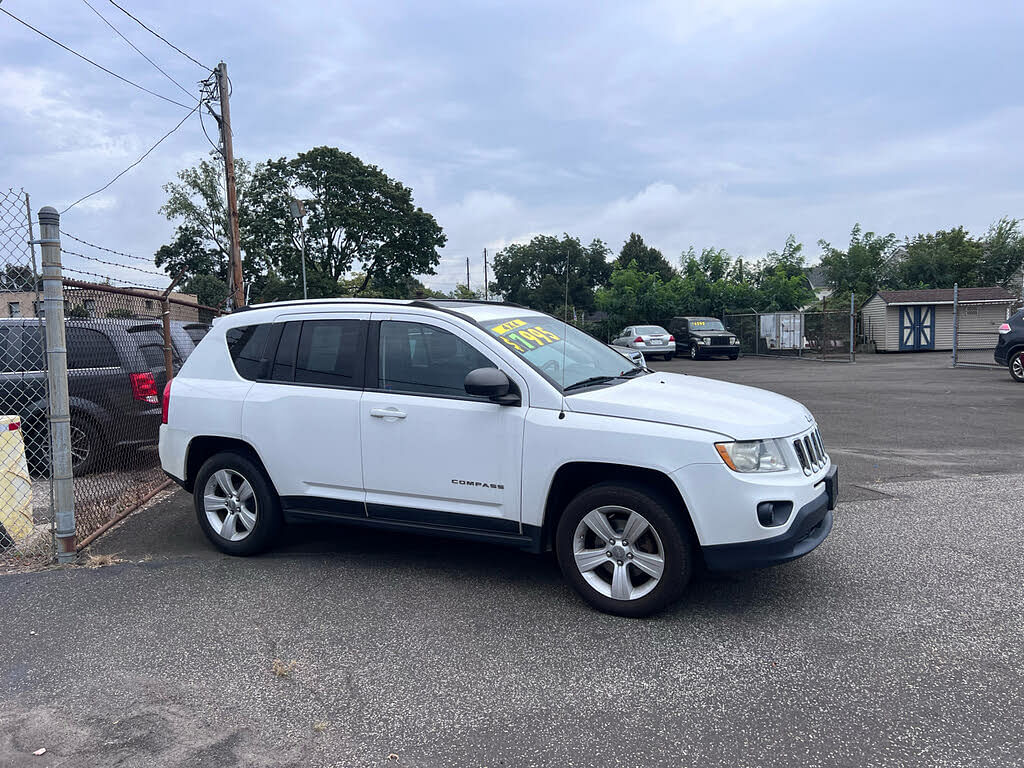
(899, 642)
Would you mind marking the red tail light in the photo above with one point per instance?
(1004, 328)
(167, 401)
(671, 338)
(144, 387)
(638, 338)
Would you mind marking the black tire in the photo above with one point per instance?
(668, 357)
(267, 510)
(735, 357)
(671, 534)
(1016, 366)
(88, 446)
(694, 354)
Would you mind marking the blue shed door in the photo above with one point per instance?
(917, 328)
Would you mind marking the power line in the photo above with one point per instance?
(144, 156)
(108, 250)
(112, 263)
(98, 66)
(136, 49)
(157, 34)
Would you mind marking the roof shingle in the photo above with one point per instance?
(945, 295)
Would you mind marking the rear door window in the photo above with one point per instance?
(88, 348)
(284, 360)
(246, 345)
(330, 352)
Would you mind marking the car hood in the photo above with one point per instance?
(733, 410)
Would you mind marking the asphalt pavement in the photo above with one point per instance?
(899, 642)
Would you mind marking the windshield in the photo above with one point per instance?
(709, 324)
(564, 355)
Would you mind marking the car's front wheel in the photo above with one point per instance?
(1017, 366)
(623, 550)
(693, 352)
(236, 507)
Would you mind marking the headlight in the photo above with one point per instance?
(733, 340)
(705, 340)
(752, 456)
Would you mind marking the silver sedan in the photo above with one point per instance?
(650, 339)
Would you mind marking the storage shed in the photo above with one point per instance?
(912, 321)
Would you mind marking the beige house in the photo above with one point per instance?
(97, 302)
(922, 320)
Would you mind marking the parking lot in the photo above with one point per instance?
(898, 642)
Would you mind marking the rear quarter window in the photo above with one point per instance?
(246, 345)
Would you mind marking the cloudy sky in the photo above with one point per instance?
(708, 122)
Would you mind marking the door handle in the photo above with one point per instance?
(387, 413)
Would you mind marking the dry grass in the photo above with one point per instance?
(320, 726)
(284, 668)
(100, 561)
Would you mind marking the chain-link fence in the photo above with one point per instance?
(813, 335)
(117, 371)
(26, 509)
(976, 330)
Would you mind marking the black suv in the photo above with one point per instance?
(703, 337)
(115, 380)
(1010, 347)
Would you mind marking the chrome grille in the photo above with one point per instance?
(810, 452)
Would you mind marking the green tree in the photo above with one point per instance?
(1002, 254)
(648, 259)
(197, 204)
(119, 312)
(938, 261)
(357, 218)
(78, 312)
(17, 277)
(208, 288)
(860, 268)
(463, 292)
(535, 274)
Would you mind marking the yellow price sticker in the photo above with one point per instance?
(511, 325)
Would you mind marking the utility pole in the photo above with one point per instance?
(486, 298)
(467, 273)
(223, 88)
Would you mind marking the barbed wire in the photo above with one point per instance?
(108, 279)
(108, 250)
(113, 263)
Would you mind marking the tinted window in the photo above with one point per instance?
(197, 332)
(246, 345)
(8, 361)
(423, 359)
(284, 361)
(330, 352)
(90, 349)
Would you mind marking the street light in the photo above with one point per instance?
(298, 210)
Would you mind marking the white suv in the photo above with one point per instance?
(494, 423)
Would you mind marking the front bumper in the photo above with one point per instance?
(718, 349)
(810, 526)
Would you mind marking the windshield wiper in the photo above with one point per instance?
(633, 372)
(592, 380)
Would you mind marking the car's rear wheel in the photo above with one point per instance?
(1017, 366)
(235, 505)
(623, 550)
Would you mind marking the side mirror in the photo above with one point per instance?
(493, 384)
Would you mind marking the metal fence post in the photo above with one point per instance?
(57, 378)
(956, 318)
(853, 316)
(165, 311)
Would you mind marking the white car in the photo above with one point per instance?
(650, 339)
(496, 424)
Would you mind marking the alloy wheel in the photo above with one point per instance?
(80, 446)
(618, 552)
(230, 505)
(1017, 367)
